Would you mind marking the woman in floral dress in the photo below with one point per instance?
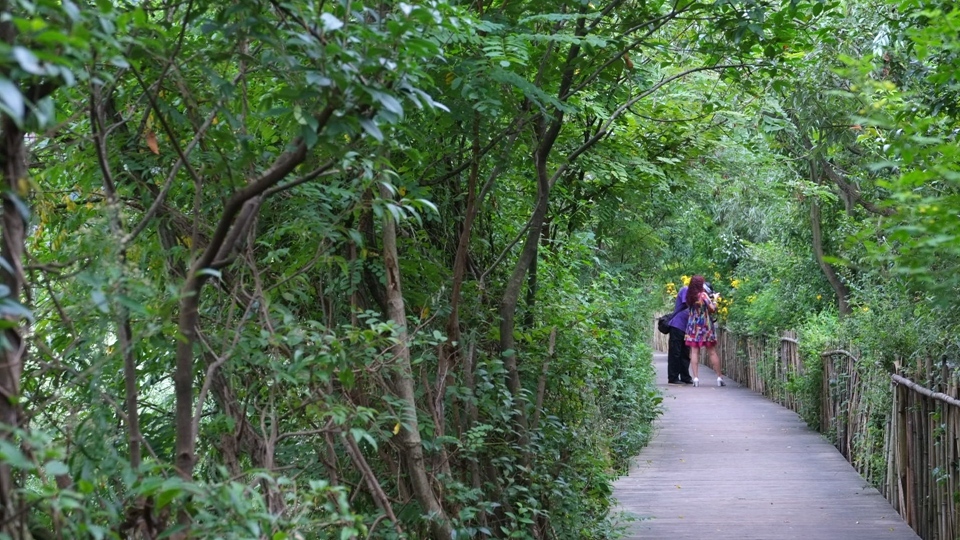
(701, 331)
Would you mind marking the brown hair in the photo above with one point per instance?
(694, 289)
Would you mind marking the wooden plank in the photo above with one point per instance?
(726, 463)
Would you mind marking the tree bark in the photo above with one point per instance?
(851, 191)
(838, 287)
(244, 438)
(401, 381)
(511, 294)
(13, 350)
(463, 246)
(124, 327)
(542, 383)
(237, 215)
(547, 133)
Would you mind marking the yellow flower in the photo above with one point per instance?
(716, 276)
(819, 297)
(865, 309)
(685, 280)
(735, 283)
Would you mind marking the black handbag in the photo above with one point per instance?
(663, 323)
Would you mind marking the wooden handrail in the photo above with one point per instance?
(791, 340)
(925, 391)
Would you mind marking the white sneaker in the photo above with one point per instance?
(696, 382)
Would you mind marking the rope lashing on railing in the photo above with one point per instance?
(925, 391)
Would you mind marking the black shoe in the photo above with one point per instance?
(688, 381)
(673, 382)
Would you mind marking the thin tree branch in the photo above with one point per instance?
(168, 183)
(506, 250)
(602, 132)
(323, 170)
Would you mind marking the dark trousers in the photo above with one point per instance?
(678, 357)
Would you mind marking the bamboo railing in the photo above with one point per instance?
(764, 365)
(661, 342)
(914, 460)
(925, 454)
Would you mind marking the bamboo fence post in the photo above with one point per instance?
(910, 461)
(928, 459)
(942, 462)
(902, 480)
(888, 446)
(953, 457)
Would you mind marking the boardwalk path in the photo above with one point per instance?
(726, 463)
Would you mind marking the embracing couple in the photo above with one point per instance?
(692, 329)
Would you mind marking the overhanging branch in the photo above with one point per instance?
(604, 130)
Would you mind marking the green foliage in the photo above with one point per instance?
(164, 118)
(816, 334)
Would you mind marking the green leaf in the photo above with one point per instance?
(21, 206)
(330, 22)
(56, 468)
(317, 79)
(71, 9)
(167, 496)
(372, 129)
(12, 309)
(120, 62)
(28, 61)
(359, 434)
(11, 100)
(11, 455)
(100, 300)
(97, 532)
(388, 102)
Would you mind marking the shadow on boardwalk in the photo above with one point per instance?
(726, 463)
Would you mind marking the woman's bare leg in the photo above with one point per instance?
(694, 359)
(714, 360)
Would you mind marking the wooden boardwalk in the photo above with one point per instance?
(726, 463)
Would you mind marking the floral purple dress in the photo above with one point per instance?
(701, 331)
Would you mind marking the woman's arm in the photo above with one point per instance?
(711, 305)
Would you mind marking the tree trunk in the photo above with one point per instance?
(838, 287)
(13, 349)
(13, 159)
(244, 438)
(402, 383)
(511, 293)
(239, 212)
(463, 246)
(183, 376)
(532, 284)
(124, 327)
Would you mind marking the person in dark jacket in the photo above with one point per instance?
(678, 354)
